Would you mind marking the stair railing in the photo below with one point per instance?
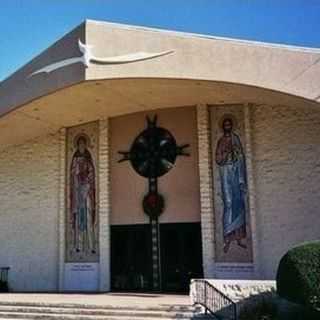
(215, 302)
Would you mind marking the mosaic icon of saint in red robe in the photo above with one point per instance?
(83, 199)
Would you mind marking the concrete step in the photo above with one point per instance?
(114, 318)
(95, 312)
(44, 316)
(39, 311)
(52, 316)
(172, 308)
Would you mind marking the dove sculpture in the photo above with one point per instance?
(88, 57)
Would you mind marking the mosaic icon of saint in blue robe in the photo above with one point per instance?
(230, 159)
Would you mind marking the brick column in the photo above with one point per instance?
(62, 207)
(251, 187)
(206, 189)
(104, 205)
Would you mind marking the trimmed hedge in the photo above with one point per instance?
(298, 277)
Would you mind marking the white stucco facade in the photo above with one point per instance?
(281, 129)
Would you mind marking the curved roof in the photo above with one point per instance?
(135, 68)
(288, 69)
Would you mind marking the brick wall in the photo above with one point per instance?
(104, 205)
(286, 160)
(285, 148)
(206, 198)
(284, 176)
(29, 180)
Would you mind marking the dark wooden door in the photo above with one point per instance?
(131, 260)
(181, 255)
(131, 257)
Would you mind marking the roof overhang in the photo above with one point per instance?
(92, 100)
(167, 69)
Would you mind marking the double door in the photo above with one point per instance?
(131, 257)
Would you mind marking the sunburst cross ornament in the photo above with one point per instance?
(153, 153)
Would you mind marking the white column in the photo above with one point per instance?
(251, 186)
(62, 207)
(206, 189)
(104, 205)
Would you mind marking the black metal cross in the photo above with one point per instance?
(152, 154)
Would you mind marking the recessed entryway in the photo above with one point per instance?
(131, 257)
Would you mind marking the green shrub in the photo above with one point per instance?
(298, 277)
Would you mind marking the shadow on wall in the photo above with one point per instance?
(270, 306)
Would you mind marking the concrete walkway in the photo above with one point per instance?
(104, 299)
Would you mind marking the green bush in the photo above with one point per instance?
(298, 277)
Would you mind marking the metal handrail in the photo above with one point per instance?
(213, 300)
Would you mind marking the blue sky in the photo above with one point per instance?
(29, 26)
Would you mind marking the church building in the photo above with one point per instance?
(136, 159)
